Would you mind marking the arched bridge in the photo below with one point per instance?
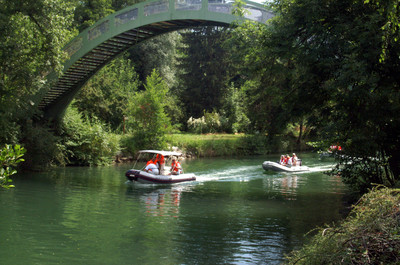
(109, 37)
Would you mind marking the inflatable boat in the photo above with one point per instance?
(269, 165)
(139, 175)
(149, 178)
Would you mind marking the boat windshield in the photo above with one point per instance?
(164, 153)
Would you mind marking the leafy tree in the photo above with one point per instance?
(205, 74)
(157, 53)
(234, 110)
(106, 95)
(31, 40)
(266, 78)
(88, 12)
(330, 70)
(10, 157)
(146, 113)
(43, 145)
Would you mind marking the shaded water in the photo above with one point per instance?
(235, 213)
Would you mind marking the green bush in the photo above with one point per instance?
(205, 145)
(209, 123)
(87, 142)
(254, 144)
(44, 148)
(369, 235)
(10, 157)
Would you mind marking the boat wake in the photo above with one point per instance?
(321, 168)
(243, 173)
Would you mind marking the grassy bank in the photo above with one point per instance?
(207, 145)
(213, 145)
(210, 145)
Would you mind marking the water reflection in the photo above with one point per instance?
(289, 187)
(162, 202)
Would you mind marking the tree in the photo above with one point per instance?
(205, 70)
(31, 40)
(331, 56)
(146, 113)
(107, 94)
(88, 12)
(156, 53)
(234, 111)
(86, 142)
(266, 76)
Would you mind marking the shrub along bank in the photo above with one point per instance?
(369, 235)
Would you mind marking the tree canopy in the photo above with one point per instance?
(335, 65)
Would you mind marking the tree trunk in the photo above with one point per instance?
(300, 135)
(394, 164)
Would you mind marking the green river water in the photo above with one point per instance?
(234, 213)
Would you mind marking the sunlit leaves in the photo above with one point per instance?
(33, 34)
(10, 157)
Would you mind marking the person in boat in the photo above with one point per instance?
(294, 160)
(289, 161)
(282, 161)
(160, 162)
(285, 160)
(176, 167)
(151, 167)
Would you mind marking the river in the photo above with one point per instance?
(234, 213)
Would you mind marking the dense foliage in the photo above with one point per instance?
(106, 96)
(88, 12)
(10, 157)
(370, 235)
(86, 142)
(148, 121)
(331, 66)
(160, 53)
(33, 34)
(205, 71)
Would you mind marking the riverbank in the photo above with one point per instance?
(216, 145)
(369, 235)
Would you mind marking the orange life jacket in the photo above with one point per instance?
(160, 159)
(176, 166)
(150, 162)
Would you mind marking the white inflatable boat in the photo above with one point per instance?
(149, 178)
(269, 165)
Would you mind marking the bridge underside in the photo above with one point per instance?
(100, 44)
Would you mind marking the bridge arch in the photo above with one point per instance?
(118, 32)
